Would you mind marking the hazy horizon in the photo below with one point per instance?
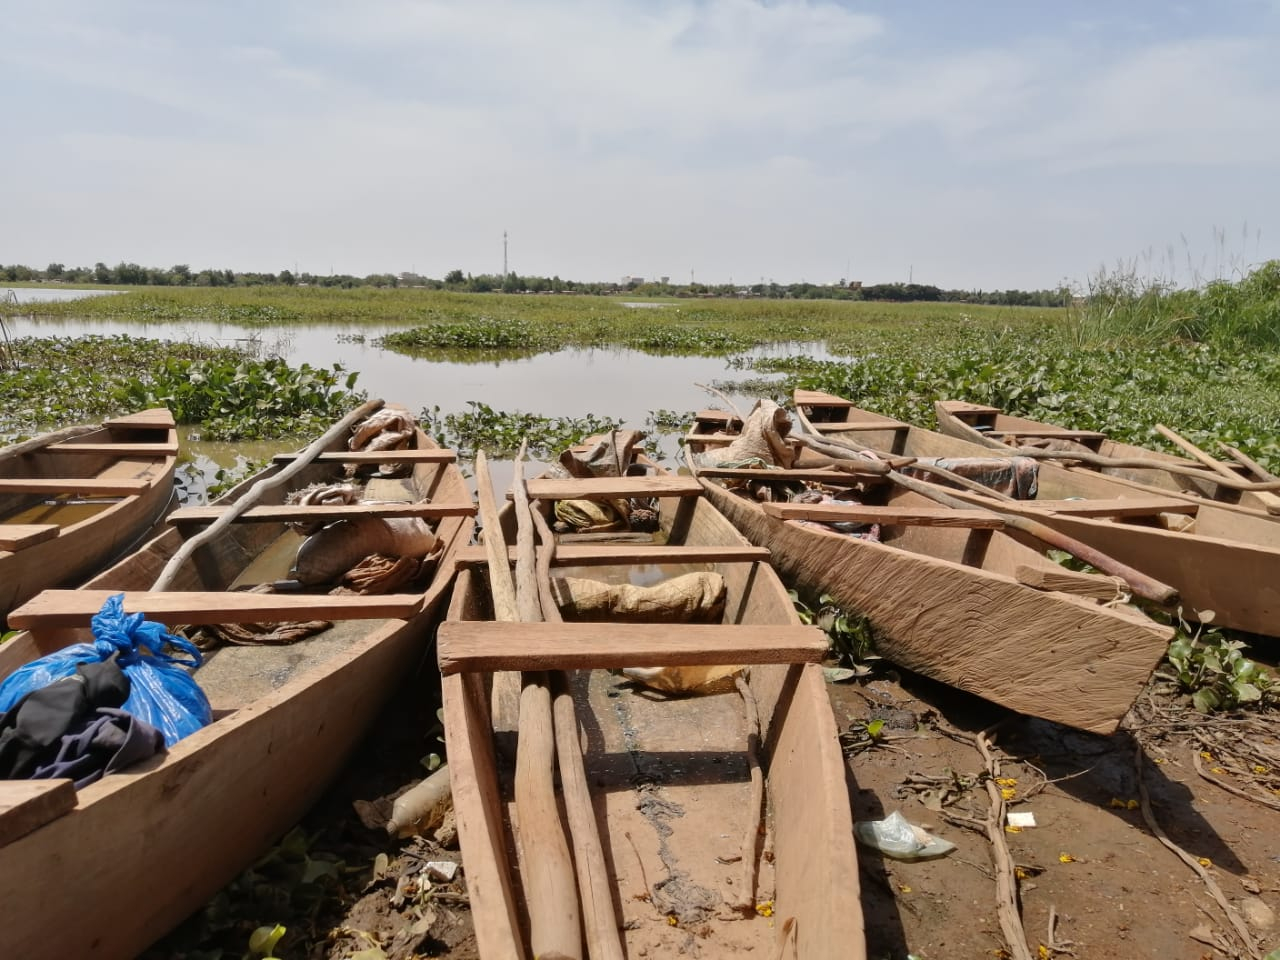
(1012, 146)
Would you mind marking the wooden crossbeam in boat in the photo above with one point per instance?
(913, 516)
(1118, 507)
(15, 536)
(611, 488)
(717, 416)
(837, 426)
(1048, 433)
(376, 456)
(468, 645)
(93, 486)
(72, 608)
(963, 408)
(26, 805)
(816, 398)
(285, 513)
(710, 439)
(120, 449)
(607, 554)
(154, 418)
(833, 477)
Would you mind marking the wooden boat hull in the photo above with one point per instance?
(962, 421)
(1042, 653)
(60, 494)
(141, 850)
(685, 756)
(1229, 565)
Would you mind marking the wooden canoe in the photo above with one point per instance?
(989, 426)
(1221, 558)
(959, 600)
(73, 500)
(106, 871)
(670, 785)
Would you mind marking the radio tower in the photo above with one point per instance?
(504, 254)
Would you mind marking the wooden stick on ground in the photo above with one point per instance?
(1139, 583)
(747, 888)
(1233, 917)
(546, 870)
(255, 492)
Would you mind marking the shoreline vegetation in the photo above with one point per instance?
(1205, 360)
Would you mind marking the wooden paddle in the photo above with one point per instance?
(255, 492)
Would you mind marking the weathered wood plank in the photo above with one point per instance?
(815, 476)
(119, 449)
(484, 645)
(594, 555)
(155, 417)
(78, 485)
(839, 427)
(15, 536)
(596, 488)
(816, 398)
(856, 513)
(26, 805)
(377, 456)
(1048, 433)
(71, 608)
(1068, 581)
(284, 514)
(1118, 507)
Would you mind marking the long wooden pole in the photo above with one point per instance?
(505, 691)
(44, 440)
(546, 870)
(1257, 469)
(1141, 584)
(1210, 461)
(598, 917)
(255, 492)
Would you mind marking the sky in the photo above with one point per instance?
(1021, 144)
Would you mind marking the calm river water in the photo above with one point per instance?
(622, 384)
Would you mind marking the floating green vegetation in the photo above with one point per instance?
(499, 433)
(245, 399)
(1207, 392)
(63, 380)
(478, 333)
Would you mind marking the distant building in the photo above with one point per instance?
(629, 280)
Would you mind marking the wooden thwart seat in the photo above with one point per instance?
(837, 426)
(816, 475)
(1119, 507)
(285, 513)
(856, 513)
(1048, 433)
(610, 488)
(481, 645)
(165, 449)
(376, 456)
(74, 608)
(74, 485)
(28, 804)
(609, 554)
(15, 536)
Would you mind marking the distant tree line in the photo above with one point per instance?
(181, 275)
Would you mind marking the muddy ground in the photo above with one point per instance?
(1094, 880)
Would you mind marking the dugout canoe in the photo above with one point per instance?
(73, 500)
(954, 598)
(666, 792)
(105, 871)
(1221, 559)
(991, 427)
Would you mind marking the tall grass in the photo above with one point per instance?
(1121, 306)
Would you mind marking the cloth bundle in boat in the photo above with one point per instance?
(162, 692)
(692, 598)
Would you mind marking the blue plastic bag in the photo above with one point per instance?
(161, 692)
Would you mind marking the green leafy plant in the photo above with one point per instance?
(1215, 670)
(852, 635)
